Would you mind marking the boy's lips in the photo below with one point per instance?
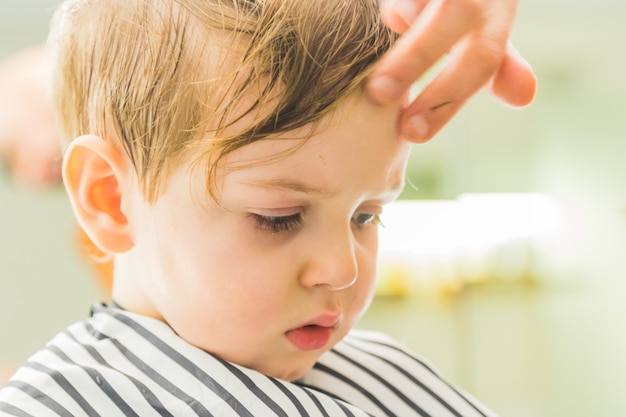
(314, 334)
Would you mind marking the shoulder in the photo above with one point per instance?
(83, 370)
(49, 382)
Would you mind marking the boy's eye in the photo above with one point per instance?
(277, 224)
(362, 219)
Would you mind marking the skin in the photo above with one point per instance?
(473, 36)
(292, 241)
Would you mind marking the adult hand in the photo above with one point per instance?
(28, 137)
(474, 34)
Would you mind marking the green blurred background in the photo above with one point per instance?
(552, 344)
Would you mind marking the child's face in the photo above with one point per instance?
(284, 266)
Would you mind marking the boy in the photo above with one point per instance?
(224, 154)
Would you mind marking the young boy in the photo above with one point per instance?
(223, 152)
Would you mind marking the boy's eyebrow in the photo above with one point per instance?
(290, 185)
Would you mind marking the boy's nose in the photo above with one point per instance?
(334, 263)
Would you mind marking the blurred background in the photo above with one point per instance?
(504, 264)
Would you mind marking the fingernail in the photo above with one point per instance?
(384, 89)
(406, 9)
(416, 129)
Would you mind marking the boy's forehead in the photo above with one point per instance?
(354, 135)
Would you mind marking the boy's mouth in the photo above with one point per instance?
(315, 334)
(310, 337)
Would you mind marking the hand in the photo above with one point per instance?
(28, 137)
(475, 34)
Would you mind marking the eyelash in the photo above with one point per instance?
(279, 224)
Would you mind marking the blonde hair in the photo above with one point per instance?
(164, 77)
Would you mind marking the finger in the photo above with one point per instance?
(398, 15)
(514, 83)
(469, 68)
(435, 31)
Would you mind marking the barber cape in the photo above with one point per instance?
(118, 363)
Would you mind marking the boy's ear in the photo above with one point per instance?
(95, 173)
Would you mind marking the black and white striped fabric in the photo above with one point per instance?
(121, 364)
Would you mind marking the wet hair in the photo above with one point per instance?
(166, 78)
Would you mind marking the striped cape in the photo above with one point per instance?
(118, 363)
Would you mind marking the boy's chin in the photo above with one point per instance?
(288, 372)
